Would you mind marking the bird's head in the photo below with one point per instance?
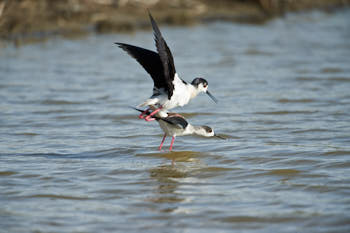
(205, 131)
(201, 85)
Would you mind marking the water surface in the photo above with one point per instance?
(75, 158)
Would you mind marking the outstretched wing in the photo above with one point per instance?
(150, 61)
(165, 56)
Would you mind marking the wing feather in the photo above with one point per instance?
(165, 56)
(179, 122)
(150, 61)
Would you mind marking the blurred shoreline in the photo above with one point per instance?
(25, 21)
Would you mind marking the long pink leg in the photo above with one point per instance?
(172, 142)
(149, 117)
(141, 116)
(161, 144)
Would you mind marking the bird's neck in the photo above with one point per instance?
(197, 130)
(193, 90)
(190, 129)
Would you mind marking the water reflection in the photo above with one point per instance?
(166, 177)
(176, 156)
(169, 177)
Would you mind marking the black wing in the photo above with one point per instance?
(176, 120)
(165, 56)
(150, 61)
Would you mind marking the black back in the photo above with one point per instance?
(178, 121)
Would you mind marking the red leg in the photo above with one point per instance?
(161, 144)
(172, 142)
(149, 117)
(141, 116)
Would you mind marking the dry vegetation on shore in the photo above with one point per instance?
(28, 20)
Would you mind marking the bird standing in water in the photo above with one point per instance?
(176, 125)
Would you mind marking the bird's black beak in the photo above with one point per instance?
(218, 136)
(212, 97)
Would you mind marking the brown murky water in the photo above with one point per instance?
(75, 158)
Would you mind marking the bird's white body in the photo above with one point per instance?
(176, 125)
(182, 95)
(173, 130)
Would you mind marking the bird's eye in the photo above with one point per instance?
(205, 85)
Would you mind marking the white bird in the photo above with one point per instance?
(169, 89)
(176, 125)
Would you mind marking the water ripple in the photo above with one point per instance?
(75, 158)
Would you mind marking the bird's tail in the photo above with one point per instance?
(137, 109)
(154, 116)
(147, 113)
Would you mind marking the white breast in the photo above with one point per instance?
(181, 95)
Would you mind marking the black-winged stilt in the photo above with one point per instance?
(169, 89)
(176, 125)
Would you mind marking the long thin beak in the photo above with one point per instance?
(212, 97)
(218, 136)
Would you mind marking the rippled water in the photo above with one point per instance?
(75, 158)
